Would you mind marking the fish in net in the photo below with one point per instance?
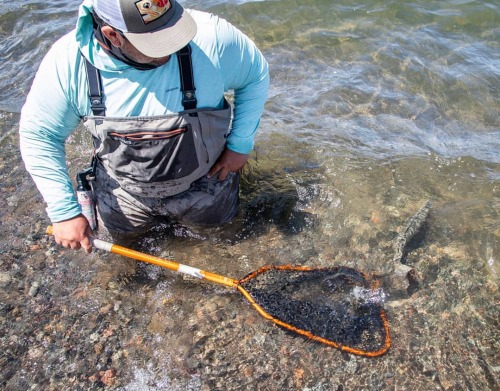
(337, 306)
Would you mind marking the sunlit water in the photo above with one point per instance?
(374, 108)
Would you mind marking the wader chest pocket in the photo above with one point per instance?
(156, 156)
(131, 138)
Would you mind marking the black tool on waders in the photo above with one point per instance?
(85, 195)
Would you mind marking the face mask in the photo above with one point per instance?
(113, 50)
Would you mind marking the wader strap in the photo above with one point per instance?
(95, 89)
(186, 75)
(187, 80)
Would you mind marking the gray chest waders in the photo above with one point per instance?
(157, 156)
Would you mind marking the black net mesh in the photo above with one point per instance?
(332, 305)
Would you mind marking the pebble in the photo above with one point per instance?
(13, 200)
(34, 289)
(94, 337)
(104, 310)
(5, 279)
(192, 363)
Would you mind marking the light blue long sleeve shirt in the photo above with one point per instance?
(223, 59)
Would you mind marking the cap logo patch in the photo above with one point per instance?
(151, 10)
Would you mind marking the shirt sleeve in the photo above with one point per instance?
(47, 118)
(245, 71)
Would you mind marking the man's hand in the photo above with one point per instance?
(229, 161)
(73, 233)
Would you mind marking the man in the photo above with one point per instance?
(148, 80)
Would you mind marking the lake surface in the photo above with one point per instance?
(375, 107)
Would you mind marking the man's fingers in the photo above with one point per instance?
(223, 174)
(86, 245)
(214, 170)
(75, 245)
(219, 171)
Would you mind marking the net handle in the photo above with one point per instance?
(166, 263)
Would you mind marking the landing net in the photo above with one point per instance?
(336, 306)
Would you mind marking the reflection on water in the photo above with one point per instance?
(374, 108)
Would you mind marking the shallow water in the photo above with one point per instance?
(375, 107)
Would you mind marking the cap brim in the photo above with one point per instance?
(180, 30)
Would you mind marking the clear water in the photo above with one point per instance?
(374, 108)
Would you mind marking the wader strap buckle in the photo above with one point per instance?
(189, 100)
(95, 89)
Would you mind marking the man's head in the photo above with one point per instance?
(156, 28)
